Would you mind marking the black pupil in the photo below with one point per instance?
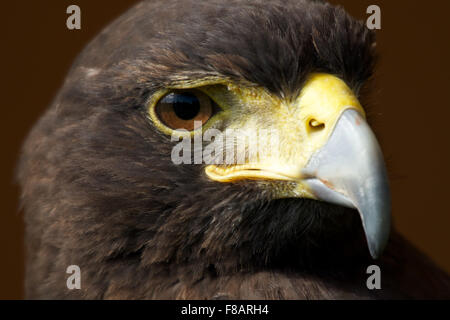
(185, 105)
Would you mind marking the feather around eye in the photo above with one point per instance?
(180, 109)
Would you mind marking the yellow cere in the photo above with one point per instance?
(303, 126)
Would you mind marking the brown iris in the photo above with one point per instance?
(179, 109)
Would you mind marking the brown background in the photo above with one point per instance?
(410, 108)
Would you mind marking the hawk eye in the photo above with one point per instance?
(179, 109)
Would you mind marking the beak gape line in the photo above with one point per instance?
(230, 147)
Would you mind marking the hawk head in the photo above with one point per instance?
(100, 185)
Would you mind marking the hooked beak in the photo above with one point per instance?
(349, 170)
(329, 151)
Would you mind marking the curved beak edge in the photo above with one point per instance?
(349, 170)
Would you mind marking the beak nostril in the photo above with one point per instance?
(315, 125)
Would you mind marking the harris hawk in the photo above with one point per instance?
(101, 191)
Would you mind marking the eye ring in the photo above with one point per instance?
(181, 109)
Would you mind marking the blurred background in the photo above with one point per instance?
(410, 108)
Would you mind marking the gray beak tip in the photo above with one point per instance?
(352, 161)
(377, 235)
